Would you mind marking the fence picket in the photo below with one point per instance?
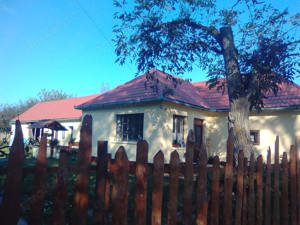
(267, 206)
(202, 204)
(215, 195)
(120, 188)
(157, 191)
(259, 191)
(82, 178)
(38, 191)
(245, 194)
(293, 188)
(227, 211)
(251, 192)
(10, 209)
(276, 193)
(285, 194)
(60, 190)
(239, 189)
(188, 179)
(173, 190)
(100, 212)
(141, 183)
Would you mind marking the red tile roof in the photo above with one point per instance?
(287, 96)
(57, 109)
(195, 94)
(138, 90)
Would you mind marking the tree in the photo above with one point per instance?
(248, 48)
(8, 112)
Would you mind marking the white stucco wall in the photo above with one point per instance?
(158, 125)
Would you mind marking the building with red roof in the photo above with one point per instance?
(162, 109)
(62, 111)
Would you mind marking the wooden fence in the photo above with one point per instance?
(178, 193)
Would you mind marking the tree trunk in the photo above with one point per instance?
(238, 118)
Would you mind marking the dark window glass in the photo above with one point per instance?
(178, 131)
(255, 137)
(130, 127)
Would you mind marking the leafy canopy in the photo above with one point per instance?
(180, 34)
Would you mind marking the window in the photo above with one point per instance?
(178, 131)
(130, 127)
(63, 135)
(255, 137)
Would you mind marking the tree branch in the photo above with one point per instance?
(211, 30)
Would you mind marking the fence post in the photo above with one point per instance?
(245, 194)
(100, 213)
(173, 191)
(267, 206)
(188, 179)
(141, 183)
(202, 205)
(157, 191)
(60, 190)
(285, 192)
(120, 188)
(239, 189)
(10, 209)
(276, 195)
(215, 195)
(259, 191)
(82, 178)
(293, 177)
(251, 193)
(38, 191)
(227, 212)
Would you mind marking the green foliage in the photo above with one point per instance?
(177, 35)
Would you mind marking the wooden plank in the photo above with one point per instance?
(108, 188)
(245, 194)
(215, 195)
(60, 190)
(202, 204)
(82, 178)
(251, 193)
(10, 209)
(157, 190)
(267, 206)
(120, 188)
(293, 178)
(173, 190)
(276, 193)
(227, 211)
(239, 189)
(259, 191)
(141, 183)
(100, 212)
(188, 179)
(285, 188)
(38, 191)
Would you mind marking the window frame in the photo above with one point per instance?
(131, 127)
(175, 142)
(256, 135)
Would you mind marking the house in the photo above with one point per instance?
(156, 111)
(45, 114)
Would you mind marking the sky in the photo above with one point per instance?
(65, 45)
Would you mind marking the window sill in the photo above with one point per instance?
(125, 142)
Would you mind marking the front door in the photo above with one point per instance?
(198, 130)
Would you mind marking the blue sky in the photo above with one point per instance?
(63, 44)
